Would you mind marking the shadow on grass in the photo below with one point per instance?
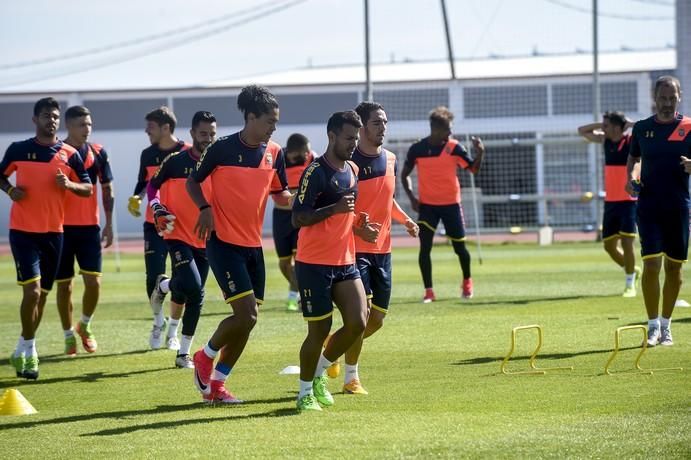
(498, 359)
(135, 412)
(84, 378)
(285, 412)
(675, 320)
(62, 357)
(534, 300)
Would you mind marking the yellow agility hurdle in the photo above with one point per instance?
(533, 368)
(637, 365)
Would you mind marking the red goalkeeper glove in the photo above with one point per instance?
(163, 219)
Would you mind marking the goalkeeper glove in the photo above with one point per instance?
(133, 205)
(163, 219)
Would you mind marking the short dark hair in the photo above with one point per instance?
(202, 115)
(45, 103)
(297, 142)
(617, 117)
(440, 116)
(667, 80)
(365, 108)
(257, 100)
(162, 116)
(76, 111)
(338, 119)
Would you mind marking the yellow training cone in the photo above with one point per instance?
(14, 403)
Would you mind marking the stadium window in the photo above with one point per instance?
(122, 113)
(411, 104)
(313, 108)
(577, 98)
(223, 107)
(15, 117)
(505, 101)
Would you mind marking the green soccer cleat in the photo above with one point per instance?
(18, 363)
(31, 368)
(321, 392)
(292, 305)
(71, 346)
(308, 402)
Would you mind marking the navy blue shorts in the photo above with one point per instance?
(285, 235)
(663, 232)
(83, 243)
(239, 270)
(315, 283)
(375, 271)
(619, 219)
(451, 216)
(36, 256)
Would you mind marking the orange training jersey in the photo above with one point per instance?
(376, 187)
(82, 210)
(242, 176)
(42, 209)
(150, 160)
(331, 241)
(436, 170)
(171, 179)
(616, 156)
(294, 170)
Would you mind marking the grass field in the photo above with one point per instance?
(432, 373)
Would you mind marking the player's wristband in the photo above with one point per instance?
(9, 190)
(206, 206)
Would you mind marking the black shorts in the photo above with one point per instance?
(36, 256)
(239, 270)
(315, 283)
(375, 271)
(619, 219)
(451, 216)
(83, 243)
(189, 271)
(155, 251)
(663, 232)
(285, 235)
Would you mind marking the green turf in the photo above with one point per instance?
(432, 373)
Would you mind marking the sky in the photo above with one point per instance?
(135, 43)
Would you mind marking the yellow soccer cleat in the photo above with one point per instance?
(629, 292)
(354, 387)
(334, 370)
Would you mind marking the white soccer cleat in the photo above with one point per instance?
(156, 337)
(666, 337)
(173, 343)
(158, 296)
(184, 362)
(653, 336)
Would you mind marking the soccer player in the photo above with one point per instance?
(376, 187)
(82, 234)
(437, 158)
(160, 127)
(298, 156)
(325, 261)
(662, 146)
(244, 169)
(46, 169)
(619, 219)
(168, 197)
